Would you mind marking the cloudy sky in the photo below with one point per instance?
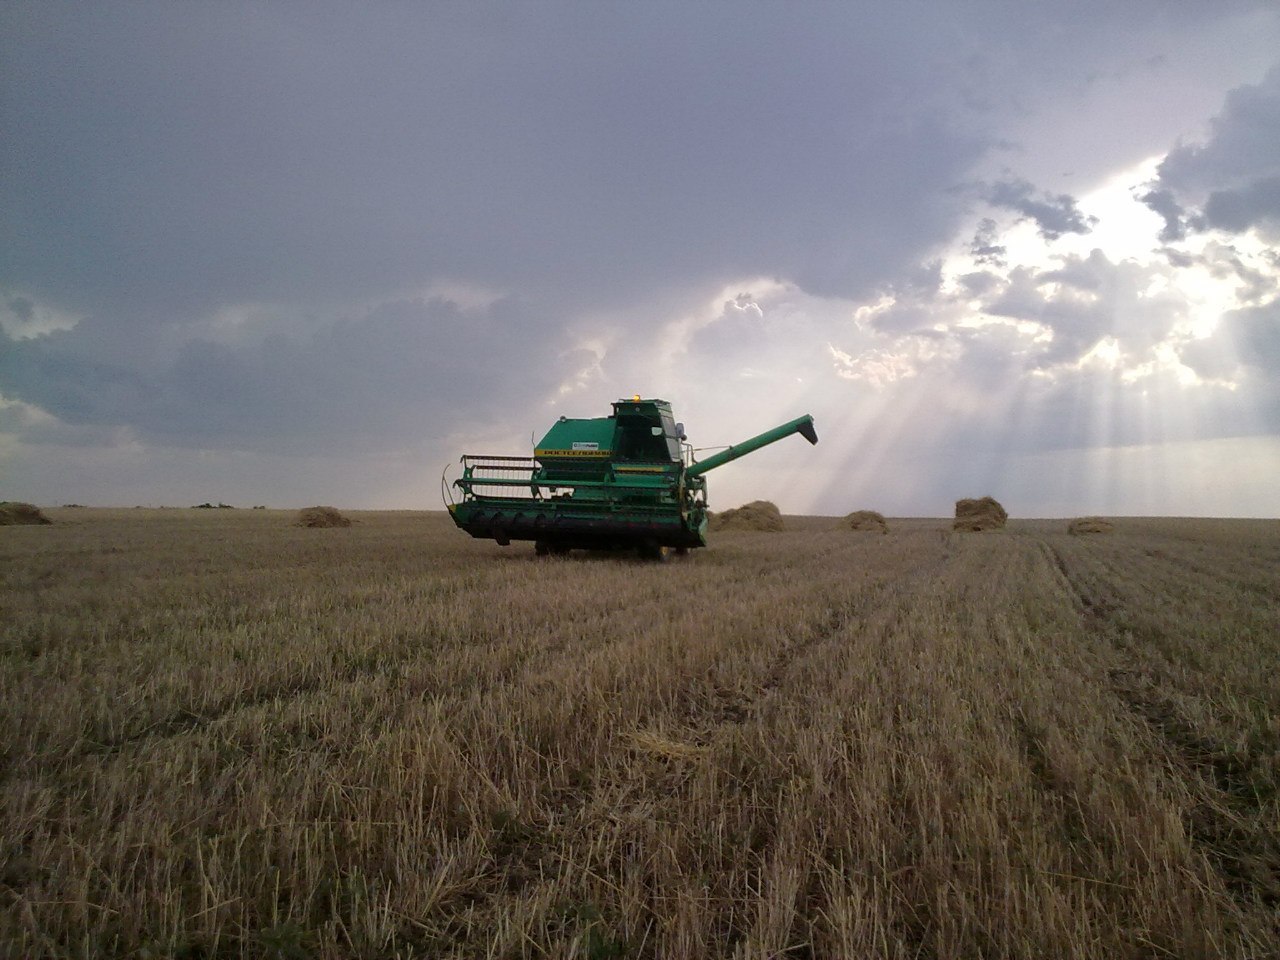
(287, 254)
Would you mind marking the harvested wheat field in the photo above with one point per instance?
(228, 737)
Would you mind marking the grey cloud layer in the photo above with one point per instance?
(167, 164)
(406, 369)
(1053, 215)
(169, 161)
(1231, 181)
(163, 159)
(592, 170)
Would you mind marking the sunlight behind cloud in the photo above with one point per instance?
(1125, 227)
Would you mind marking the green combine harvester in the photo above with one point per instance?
(623, 482)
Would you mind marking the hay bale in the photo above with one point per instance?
(759, 515)
(12, 513)
(1089, 525)
(868, 520)
(656, 744)
(321, 517)
(984, 513)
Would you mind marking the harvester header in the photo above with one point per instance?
(625, 481)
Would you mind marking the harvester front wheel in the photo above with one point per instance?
(541, 548)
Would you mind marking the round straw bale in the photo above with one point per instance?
(12, 513)
(984, 513)
(760, 515)
(321, 517)
(1089, 525)
(868, 520)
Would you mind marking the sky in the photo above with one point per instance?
(287, 254)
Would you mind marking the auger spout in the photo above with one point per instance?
(801, 425)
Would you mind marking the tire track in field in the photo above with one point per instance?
(525, 854)
(883, 613)
(1246, 859)
(520, 852)
(889, 604)
(528, 854)
(174, 724)
(1056, 790)
(1249, 567)
(1182, 573)
(1095, 602)
(183, 721)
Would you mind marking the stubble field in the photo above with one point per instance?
(226, 736)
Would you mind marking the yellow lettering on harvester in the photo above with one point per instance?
(572, 453)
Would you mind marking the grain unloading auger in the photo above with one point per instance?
(623, 482)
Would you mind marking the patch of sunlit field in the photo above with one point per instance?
(228, 736)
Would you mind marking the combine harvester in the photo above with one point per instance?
(624, 482)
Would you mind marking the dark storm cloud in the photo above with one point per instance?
(1231, 180)
(160, 159)
(1210, 358)
(1255, 333)
(979, 283)
(1256, 283)
(407, 369)
(1053, 215)
(161, 164)
(1243, 351)
(1166, 205)
(915, 297)
(167, 160)
(1253, 204)
(1092, 274)
(22, 308)
(984, 247)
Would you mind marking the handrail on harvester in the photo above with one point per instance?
(472, 483)
(801, 425)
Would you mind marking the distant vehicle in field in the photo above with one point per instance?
(628, 481)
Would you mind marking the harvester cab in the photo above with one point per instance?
(623, 482)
